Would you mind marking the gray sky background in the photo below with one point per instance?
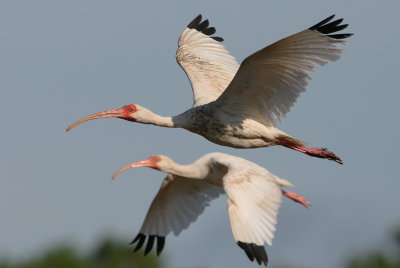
(61, 61)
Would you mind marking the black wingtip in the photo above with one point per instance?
(194, 22)
(137, 238)
(202, 26)
(149, 245)
(160, 244)
(254, 251)
(141, 238)
(340, 36)
(327, 27)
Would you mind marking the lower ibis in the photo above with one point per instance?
(253, 199)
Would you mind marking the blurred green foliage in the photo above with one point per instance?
(379, 259)
(109, 254)
(113, 254)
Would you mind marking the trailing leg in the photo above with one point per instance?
(296, 198)
(316, 152)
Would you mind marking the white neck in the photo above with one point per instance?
(148, 117)
(193, 171)
(157, 120)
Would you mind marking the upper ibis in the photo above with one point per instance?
(239, 105)
(253, 199)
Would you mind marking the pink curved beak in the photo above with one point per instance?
(110, 113)
(142, 163)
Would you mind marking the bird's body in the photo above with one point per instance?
(227, 129)
(253, 199)
(239, 105)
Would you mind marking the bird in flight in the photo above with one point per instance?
(239, 105)
(254, 196)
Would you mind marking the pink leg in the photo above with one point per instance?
(296, 198)
(316, 152)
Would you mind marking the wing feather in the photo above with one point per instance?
(177, 204)
(269, 81)
(207, 63)
(253, 206)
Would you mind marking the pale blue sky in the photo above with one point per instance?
(61, 61)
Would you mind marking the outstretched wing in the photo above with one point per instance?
(177, 204)
(269, 81)
(253, 204)
(207, 63)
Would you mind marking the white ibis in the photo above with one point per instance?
(238, 106)
(254, 196)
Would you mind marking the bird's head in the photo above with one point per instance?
(160, 162)
(130, 112)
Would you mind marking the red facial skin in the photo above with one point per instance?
(151, 162)
(124, 112)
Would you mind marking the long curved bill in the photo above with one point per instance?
(110, 113)
(142, 163)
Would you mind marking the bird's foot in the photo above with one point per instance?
(296, 198)
(322, 153)
(316, 152)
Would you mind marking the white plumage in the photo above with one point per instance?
(269, 82)
(207, 63)
(239, 106)
(178, 203)
(253, 199)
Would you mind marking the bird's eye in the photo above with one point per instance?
(132, 109)
(158, 159)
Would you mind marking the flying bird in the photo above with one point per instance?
(254, 196)
(238, 106)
